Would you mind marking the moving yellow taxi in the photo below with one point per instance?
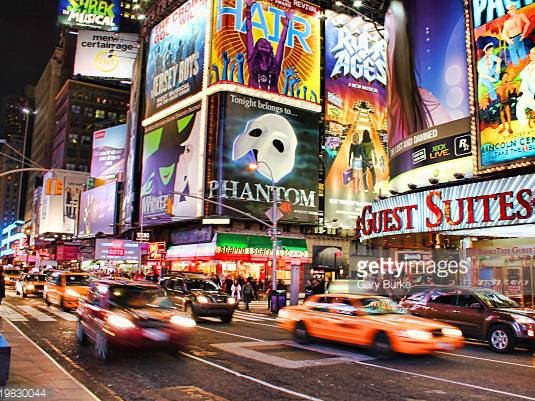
(368, 321)
(65, 287)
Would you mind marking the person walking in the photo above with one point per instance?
(248, 292)
(236, 293)
(2, 284)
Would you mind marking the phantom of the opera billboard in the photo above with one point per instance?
(267, 46)
(283, 141)
(355, 144)
(429, 138)
(97, 210)
(106, 55)
(104, 15)
(176, 56)
(173, 166)
(107, 157)
(504, 62)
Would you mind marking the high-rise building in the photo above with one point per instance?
(81, 109)
(15, 129)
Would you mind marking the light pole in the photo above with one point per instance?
(254, 166)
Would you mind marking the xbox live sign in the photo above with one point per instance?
(103, 15)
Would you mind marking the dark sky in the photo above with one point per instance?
(28, 35)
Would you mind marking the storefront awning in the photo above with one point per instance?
(203, 251)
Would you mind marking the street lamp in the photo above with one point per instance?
(253, 166)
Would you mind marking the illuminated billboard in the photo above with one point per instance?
(176, 56)
(104, 15)
(355, 153)
(504, 64)
(60, 200)
(117, 249)
(284, 141)
(105, 55)
(268, 46)
(428, 124)
(107, 156)
(97, 211)
(173, 161)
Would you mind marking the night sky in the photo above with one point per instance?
(28, 34)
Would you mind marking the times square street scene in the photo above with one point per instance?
(251, 200)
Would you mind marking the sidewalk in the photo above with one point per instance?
(32, 368)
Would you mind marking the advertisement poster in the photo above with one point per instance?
(129, 182)
(97, 211)
(104, 15)
(173, 161)
(59, 209)
(265, 45)
(176, 56)
(428, 123)
(283, 141)
(105, 55)
(117, 249)
(107, 157)
(504, 54)
(355, 148)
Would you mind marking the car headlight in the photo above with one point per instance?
(231, 300)
(451, 332)
(202, 299)
(30, 287)
(120, 322)
(523, 319)
(7, 279)
(417, 334)
(283, 313)
(183, 321)
(71, 293)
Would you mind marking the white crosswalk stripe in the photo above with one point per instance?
(42, 317)
(252, 316)
(64, 315)
(11, 314)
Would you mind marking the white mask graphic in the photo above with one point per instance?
(272, 140)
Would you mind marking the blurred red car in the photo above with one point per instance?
(129, 314)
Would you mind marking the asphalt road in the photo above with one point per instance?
(251, 359)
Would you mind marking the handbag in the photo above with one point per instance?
(347, 176)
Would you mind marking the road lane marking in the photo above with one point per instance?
(230, 334)
(251, 378)
(64, 315)
(486, 389)
(487, 359)
(11, 314)
(42, 317)
(252, 315)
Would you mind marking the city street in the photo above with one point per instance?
(252, 359)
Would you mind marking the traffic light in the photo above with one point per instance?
(48, 187)
(169, 206)
(59, 187)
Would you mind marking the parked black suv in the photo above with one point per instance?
(197, 296)
(480, 313)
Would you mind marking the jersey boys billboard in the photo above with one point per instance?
(173, 160)
(176, 56)
(284, 142)
(266, 46)
(104, 15)
(428, 123)
(356, 161)
(504, 54)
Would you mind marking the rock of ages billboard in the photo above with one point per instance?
(284, 142)
(504, 34)
(355, 148)
(173, 161)
(176, 56)
(104, 15)
(266, 46)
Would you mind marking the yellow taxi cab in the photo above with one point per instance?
(11, 276)
(64, 288)
(369, 321)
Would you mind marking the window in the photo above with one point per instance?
(88, 111)
(73, 138)
(70, 166)
(465, 300)
(86, 140)
(443, 298)
(75, 109)
(100, 114)
(83, 167)
(112, 115)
